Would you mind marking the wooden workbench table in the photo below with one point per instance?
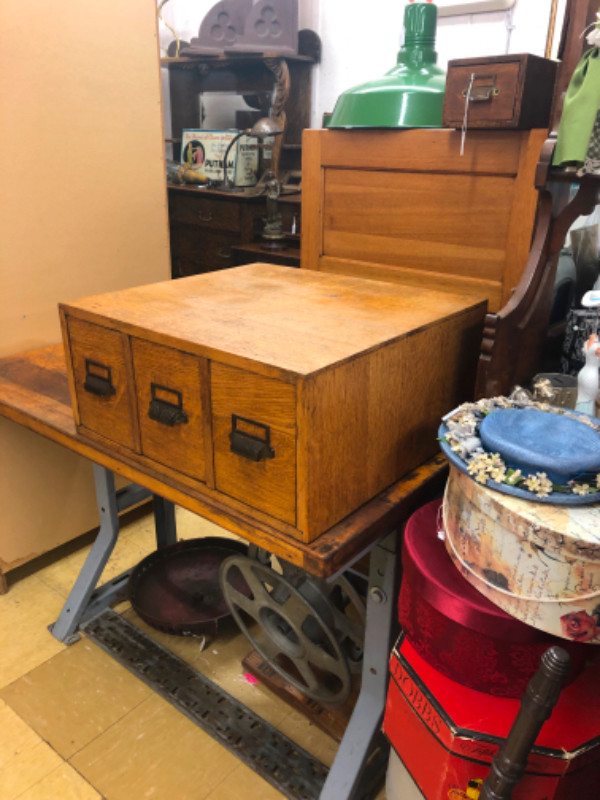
(34, 393)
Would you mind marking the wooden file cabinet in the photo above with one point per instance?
(290, 396)
(510, 91)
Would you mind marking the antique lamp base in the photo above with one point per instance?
(273, 242)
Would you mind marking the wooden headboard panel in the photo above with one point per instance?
(404, 205)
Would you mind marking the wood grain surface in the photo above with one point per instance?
(348, 378)
(273, 320)
(104, 352)
(184, 446)
(406, 206)
(34, 393)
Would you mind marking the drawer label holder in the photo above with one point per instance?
(166, 406)
(98, 379)
(254, 444)
(481, 88)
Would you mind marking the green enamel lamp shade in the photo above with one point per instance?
(410, 95)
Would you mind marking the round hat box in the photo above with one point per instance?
(538, 562)
(456, 629)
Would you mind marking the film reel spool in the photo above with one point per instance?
(310, 632)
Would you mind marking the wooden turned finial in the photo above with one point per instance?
(540, 697)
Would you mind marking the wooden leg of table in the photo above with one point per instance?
(362, 754)
(3, 584)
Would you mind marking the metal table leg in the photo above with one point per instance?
(84, 600)
(164, 521)
(362, 754)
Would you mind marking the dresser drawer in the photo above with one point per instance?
(195, 250)
(172, 401)
(209, 212)
(254, 436)
(103, 390)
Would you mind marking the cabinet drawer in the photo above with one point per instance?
(172, 401)
(209, 212)
(103, 387)
(201, 250)
(253, 417)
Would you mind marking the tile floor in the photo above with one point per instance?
(75, 725)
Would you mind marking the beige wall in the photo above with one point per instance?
(82, 211)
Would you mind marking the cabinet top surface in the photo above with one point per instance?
(299, 321)
(234, 59)
(195, 191)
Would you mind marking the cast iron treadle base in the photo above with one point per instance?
(289, 768)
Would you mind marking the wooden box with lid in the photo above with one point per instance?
(288, 396)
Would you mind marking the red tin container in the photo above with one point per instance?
(447, 735)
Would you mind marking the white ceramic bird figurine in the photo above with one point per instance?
(588, 378)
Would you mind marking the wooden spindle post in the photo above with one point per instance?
(538, 701)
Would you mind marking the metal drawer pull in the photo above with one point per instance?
(166, 410)
(249, 445)
(205, 216)
(224, 252)
(483, 91)
(98, 379)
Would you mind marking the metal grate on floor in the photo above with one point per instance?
(287, 767)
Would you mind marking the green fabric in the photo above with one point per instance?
(592, 158)
(582, 101)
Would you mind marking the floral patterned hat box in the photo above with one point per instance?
(447, 735)
(456, 629)
(539, 562)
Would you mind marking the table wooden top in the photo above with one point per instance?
(34, 392)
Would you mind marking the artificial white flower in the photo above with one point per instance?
(581, 488)
(539, 484)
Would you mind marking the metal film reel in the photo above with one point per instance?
(310, 632)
